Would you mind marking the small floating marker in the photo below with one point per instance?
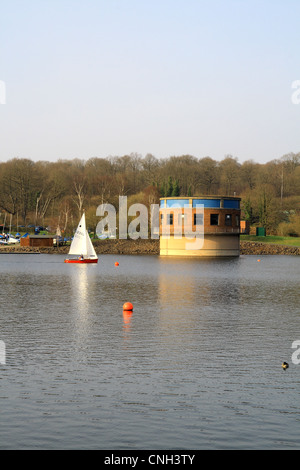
(258, 260)
(127, 307)
(285, 365)
(116, 263)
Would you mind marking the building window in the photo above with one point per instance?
(181, 218)
(169, 219)
(214, 219)
(237, 220)
(228, 219)
(198, 219)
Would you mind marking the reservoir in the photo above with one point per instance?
(196, 365)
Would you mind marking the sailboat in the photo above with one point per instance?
(82, 246)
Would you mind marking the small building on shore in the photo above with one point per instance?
(200, 226)
(37, 241)
(245, 227)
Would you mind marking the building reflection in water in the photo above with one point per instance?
(198, 297)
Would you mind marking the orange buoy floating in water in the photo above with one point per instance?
(127, 307)
(258, 260)
(116, 263)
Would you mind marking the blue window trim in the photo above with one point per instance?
(177, 203)
(208, 203)
(231, 204)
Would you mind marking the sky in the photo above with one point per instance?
(168, 77)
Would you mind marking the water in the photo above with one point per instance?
(196, 366)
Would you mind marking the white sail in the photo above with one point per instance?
(81, 243)
(91, 253)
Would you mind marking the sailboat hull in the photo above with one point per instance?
(81, 261)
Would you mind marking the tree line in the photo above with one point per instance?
(55, 193)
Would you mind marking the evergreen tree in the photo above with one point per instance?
(163, 191)
(169, 187)
(176, 189)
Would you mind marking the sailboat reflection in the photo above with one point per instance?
(82, 288)
(81, 318)
(80, 291)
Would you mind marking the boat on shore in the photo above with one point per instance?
(8, 240)
(82, 250)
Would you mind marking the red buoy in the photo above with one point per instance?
(116, 263)
(127, 307)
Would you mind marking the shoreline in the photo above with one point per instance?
(149, 247)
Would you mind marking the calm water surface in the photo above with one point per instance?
(196, 366)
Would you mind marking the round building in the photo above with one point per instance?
(200, 226)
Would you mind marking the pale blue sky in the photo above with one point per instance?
(167, 77)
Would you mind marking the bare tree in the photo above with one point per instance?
(79, 186)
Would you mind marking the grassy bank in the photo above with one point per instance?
(288, 241)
